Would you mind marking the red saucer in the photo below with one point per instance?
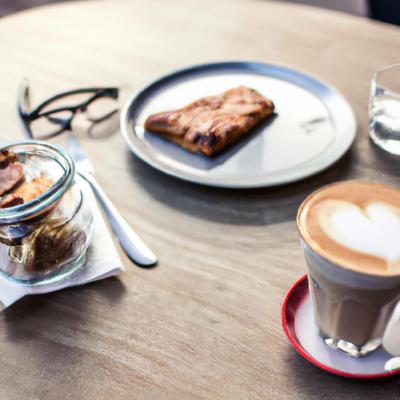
(299, 326)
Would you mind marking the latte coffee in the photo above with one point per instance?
(351, 237)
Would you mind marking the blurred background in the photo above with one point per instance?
(383, 10)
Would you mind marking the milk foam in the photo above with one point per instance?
(373, 229)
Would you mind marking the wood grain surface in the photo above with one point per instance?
(205, 323)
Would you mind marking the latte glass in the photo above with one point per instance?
(352, 309)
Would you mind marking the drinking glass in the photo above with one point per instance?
(384, 109)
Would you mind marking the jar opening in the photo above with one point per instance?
(39, 159)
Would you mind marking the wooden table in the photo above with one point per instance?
(205, 323)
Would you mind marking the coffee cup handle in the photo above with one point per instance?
(391, 337)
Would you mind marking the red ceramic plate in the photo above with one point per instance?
(299, 326)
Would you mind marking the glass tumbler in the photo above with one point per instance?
(45, 239)
(384, 109)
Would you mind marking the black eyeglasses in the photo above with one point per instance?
(55, 115)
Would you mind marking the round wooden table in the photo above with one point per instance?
(205, 323)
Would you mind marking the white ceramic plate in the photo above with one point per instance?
(313, 127)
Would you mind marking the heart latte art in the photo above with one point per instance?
(373, 230)
(356, 225)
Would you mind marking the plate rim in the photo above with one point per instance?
(303, 283)
(256, 66)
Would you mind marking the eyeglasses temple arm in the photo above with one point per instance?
(23, 107)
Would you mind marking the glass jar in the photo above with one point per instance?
(45, 239)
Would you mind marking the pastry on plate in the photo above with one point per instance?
(212, 124)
